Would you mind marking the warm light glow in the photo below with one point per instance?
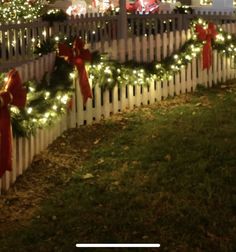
(29, 110)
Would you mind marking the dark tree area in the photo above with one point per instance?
(186, 2)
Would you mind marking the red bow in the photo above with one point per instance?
(77, 56)
(12, 93)
(206, 35)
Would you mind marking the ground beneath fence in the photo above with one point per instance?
(54, 167)
(91, 151)
(50, 170)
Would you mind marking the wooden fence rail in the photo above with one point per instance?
(108, 102)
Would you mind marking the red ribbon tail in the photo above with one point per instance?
(70, 104)
(207, 56)
(84, 83)
(5, 141)
(13, 94)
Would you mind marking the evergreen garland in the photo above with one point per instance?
(48, 100)
(54, 15)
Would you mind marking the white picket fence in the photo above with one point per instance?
(146, 49)
(24, 149)
(108, 102)
(18, 41)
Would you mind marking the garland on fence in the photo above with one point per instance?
(46, 100)
(50, 98)
(54, 15)
(77, 56)
(204, 37)
(183, 9)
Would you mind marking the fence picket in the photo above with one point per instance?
(14, 163)
(144, 49)
(189, 79)
(80, 106)
(194, 73)
(199, 67)
(228, 73)
(220, 62)
(106, 104)
(114, 51)
(171, 43)
(6, 181)
(165, 89)
(152, 93)
(158, 47)
(144, 95)
(130, 48)
(98, 106)
(19, 156)
(25, 153)
(137, 49)
(89, 112)
(210, 77)
(165, 45)
(122, 50)
(115, 103)
(171, 87)
(177, 40)
(137, 89)
(177, 88)
(40, 139)
(123, 105)
(214, 67)
(151, 48)
(159, 91)
(130, 97)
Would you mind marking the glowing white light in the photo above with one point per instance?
(29, 110)
(46, 115)
(47, 94)
(64, 99)
(72, 75)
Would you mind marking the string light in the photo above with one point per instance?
(29, 110)
(20, 10)
(109, 73)
(72, 75)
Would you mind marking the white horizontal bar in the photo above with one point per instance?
(118, 245)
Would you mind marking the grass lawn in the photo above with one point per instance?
(160, 174)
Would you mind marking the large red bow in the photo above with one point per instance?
(206, 35)
(12, 93)
(77, 56)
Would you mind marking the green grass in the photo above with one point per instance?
(160, 175)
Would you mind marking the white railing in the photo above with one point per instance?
(108, 102)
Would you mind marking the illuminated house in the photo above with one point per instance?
(77, 7)
(214, 5)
